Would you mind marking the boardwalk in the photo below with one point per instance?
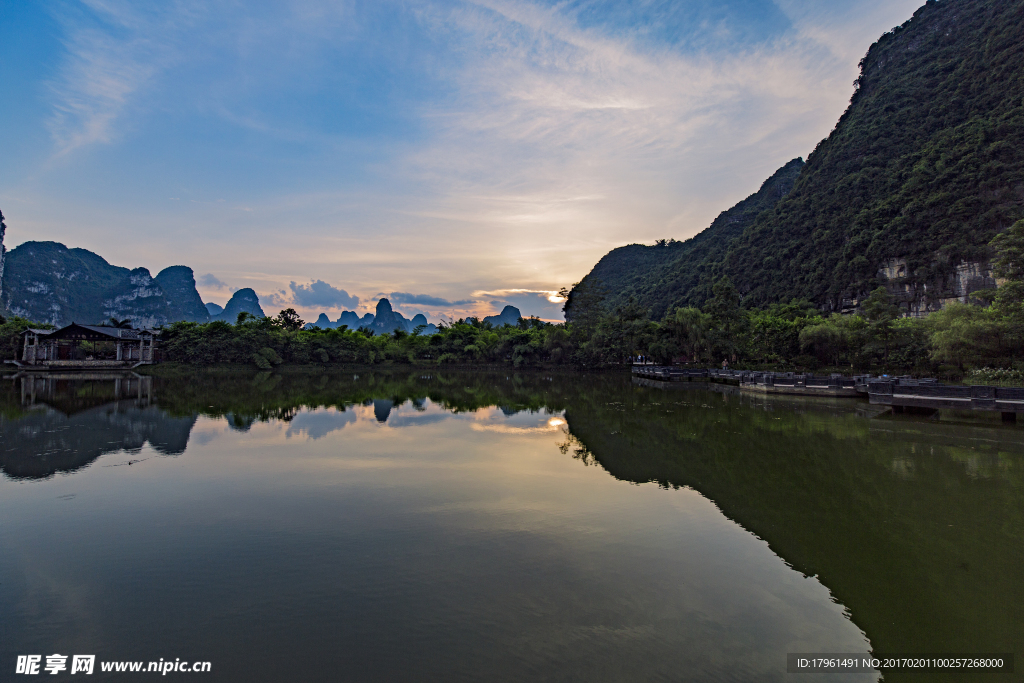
(796, 384)
(901, 393)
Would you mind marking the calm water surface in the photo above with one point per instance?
(413, 526)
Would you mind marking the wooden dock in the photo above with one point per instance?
(903, 394)
(790, 383)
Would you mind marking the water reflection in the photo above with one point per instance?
(915, 527)
(66, 423)
(319, 423)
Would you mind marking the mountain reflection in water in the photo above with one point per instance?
(915, 526)
(66, 424)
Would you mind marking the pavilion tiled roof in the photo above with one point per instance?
(124, 333)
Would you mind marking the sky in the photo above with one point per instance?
(455, 156)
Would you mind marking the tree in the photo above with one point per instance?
(1009, 248)
(630, 328)
(826, 341)
(728, 320)
(288, 319)
(691, 328)
(880, 312)
(1008, 300)
(965, 336)
(584, 307)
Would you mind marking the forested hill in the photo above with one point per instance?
(926, 165)
(669, 273)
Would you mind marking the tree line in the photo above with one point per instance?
(987, 340)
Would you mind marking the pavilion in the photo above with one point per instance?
(87, 347)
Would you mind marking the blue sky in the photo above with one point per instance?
(462, 155)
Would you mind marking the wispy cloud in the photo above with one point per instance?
(551, 296)
(530, 141)
(113, 49)
(425, 300)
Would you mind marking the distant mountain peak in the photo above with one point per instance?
(244, 300)
(509, 315)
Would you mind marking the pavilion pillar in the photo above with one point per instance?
(120, 351)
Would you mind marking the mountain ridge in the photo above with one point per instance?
(640, 270)
(49, 282)
(923, 168)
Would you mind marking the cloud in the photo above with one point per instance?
(275, 299)
(211, 281)
(531, 139)
(426, 300)
(319, 294)
(113, 50)
(550, 295)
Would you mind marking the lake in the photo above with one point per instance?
(498, 526)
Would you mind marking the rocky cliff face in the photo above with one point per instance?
(244, 300)
(179, 286)
(47, 282)
(917, 299)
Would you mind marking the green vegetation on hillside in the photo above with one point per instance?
(926, 164)
(669, 273)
